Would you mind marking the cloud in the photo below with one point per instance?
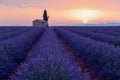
(59, 4)
(62, 4)
(31, 3)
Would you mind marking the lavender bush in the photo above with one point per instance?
(7, 29)
(10, 29)
(114, 31)
(103, 58)
(98, 36)
(12, 33)
(13, 50)
(49, 61)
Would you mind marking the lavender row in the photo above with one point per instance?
(9, 29)
(49, 61)
(13, 50)
(103, 58)
(12, 33)
(113, 33)
(102, 30)
(5, 29)
(98, 36)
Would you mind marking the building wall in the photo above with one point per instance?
(40, 24)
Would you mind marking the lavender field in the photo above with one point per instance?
(60, 53)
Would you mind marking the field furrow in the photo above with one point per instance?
(103, 58)
(81, 63)
(50, 61)
(13, 51)
(59, 53)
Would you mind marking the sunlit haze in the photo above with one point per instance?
(61, 12)
(85, 15)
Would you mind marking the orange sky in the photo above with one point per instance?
(61, 12)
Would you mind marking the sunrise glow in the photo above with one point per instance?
(60, 12)
(85, 21)
(85, 14)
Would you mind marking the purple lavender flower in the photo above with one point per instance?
(50, 61)
(104, 58)
(13, 50)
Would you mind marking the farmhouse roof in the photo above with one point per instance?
(38, 20)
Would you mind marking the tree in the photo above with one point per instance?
(45, 17)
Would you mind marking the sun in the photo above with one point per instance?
(84, 15)
(85, 21)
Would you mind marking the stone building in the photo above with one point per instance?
(40, 23)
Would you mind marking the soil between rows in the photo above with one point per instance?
(79, 61)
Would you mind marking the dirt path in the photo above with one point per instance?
(79, 61)
(27, 56)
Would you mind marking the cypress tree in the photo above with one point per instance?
(45, 17)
